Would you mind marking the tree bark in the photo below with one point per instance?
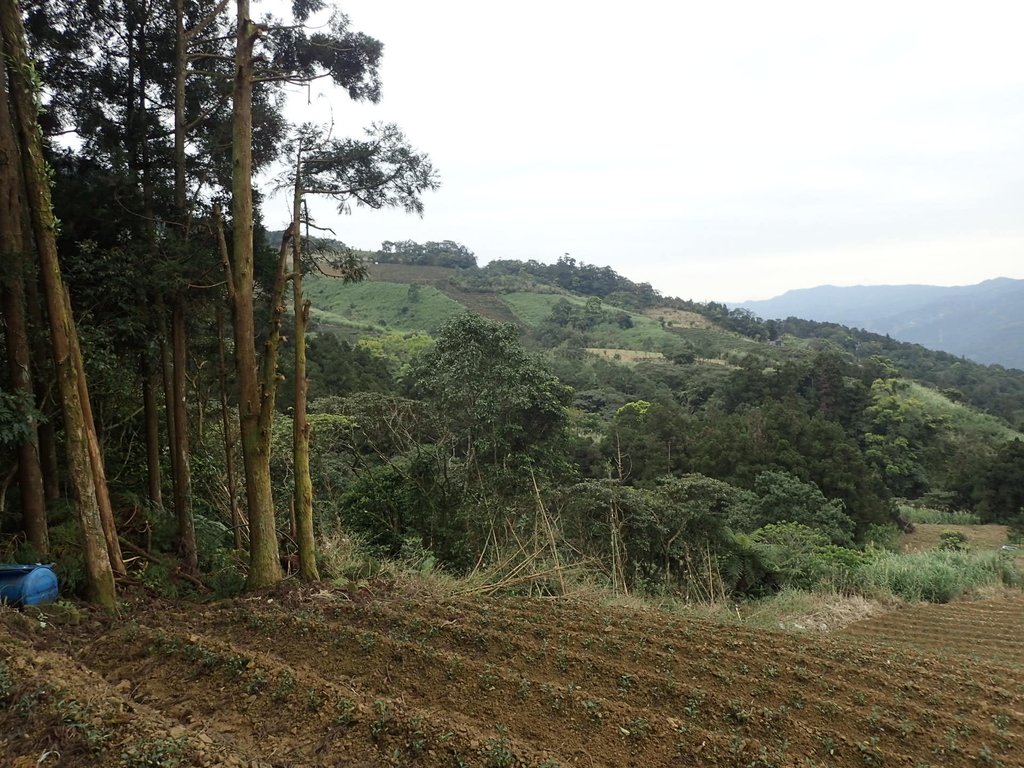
(229, 440)
(43, 378)
(95, 455)
(300, 424)
(19, 363)
(264, 557)
(180, 75)
(182, 475)
(21, 86)
(151, 413)
(167, 379)
(182, 469)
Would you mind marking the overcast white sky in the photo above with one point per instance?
(718, 150)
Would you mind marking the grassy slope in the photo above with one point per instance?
(380, 304)
(383, 303)
(961, 418)
(647, 334)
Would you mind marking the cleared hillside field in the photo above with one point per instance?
(437, 278)
(625, 355)
(929, 536)
(644, 335)
(385, 676)
(678, 317)
(381, 304)
(410, 273)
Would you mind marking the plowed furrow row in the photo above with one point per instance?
(765, 709)
(287, 716)
(682, 657)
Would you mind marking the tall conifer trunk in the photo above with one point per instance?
(151, 412)
(21, 88)
(264, 557)
(43, 379)
(300, 424)
(181, 466)
(92, 439)
(229, 440)
(182, 475)
(167, 380)
(13, 252)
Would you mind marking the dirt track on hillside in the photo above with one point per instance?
(321, 677)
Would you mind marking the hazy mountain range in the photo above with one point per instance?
(983, 322)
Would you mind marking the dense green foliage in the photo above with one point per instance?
(664, 444)
(767, 464)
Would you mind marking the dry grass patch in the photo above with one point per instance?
(625, 355)
(811, 611)
(679, 318)
(929, 536)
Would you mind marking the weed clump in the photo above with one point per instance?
(937, 576)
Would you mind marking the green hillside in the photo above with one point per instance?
(388, 300)
(383, 305)
(653, 410)
(642, 333)
(672, 345)
(960, 418)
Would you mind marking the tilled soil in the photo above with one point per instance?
(987, 631)
(388, 677)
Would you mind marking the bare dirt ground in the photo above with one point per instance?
(626, 355)
(390, 676)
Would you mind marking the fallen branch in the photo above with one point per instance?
(175, 572)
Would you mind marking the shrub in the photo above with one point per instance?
(953, 541)
(883, 537)
(1016, 529)
(791, 553)
(781, 496)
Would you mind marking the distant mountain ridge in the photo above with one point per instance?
(983, 322)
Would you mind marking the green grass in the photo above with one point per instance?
(339, 323)
(646, 334)
(532, 308)
(716, 343)
(489, 305)
(380, 304)
(938, 516)
(935, 576)
(961, 418)
(387, 302)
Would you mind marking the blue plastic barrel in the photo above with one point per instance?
(27, 584)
